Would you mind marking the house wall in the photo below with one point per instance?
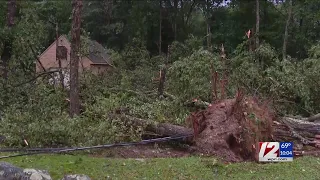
(48, 58)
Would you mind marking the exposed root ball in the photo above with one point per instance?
(232, 128)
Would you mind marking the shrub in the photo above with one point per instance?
(190, 76)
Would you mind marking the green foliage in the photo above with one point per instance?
(135, 54)
(314, 51)
(32, 118)
(190, 76)
(293, 85)
(53, 12)
(30, 33)
(133, 90)
(161, 111)
(43, 121)
(131, 29)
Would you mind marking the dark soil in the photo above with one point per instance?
(144, 151)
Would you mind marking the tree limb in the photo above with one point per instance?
(161, 129)
(314, 118)
(33, 79)
(190, 11)
(35, 55)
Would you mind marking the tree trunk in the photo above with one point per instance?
(288, 130)
(214, 80)
(186, 21)
(58, 58)
(162, 78)
(7, 49)
(175, 19)
(161, 81)
(160, 129)
(285, 40)
(315, 118)
(208, 26)
(208, 36)
(7, 46)
(298, 130)
(160, 26)
(74, 59)
(257, 22)
(224, 79)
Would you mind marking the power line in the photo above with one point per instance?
(35, 151)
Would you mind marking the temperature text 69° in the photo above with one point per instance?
(285, 145)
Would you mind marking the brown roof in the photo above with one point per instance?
(97, 53)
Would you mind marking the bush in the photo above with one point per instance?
(190, 76)
(292, 85)
(44, 121)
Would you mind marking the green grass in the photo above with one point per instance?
(170, 168)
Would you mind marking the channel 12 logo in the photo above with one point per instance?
(275, 151)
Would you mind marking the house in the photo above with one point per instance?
(97, 59)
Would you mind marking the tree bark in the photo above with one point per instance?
(291, 129)
(257, 22)
(175, 19)
(7, 47)
(162, 78)
(285, 39)
(208, 36)
(58, 58)
(208, 26)
(160, 27)
(189, 13)
(160, 129)
(7, 50)
(75, 56)
(315, 118)
(214, 80)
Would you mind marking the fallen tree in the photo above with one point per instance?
(301, 131)
(158, 129)
(232, 128)
(314, 118)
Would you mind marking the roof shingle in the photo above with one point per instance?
(98, 54)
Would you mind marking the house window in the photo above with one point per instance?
(62, 52)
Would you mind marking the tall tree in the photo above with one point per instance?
(175, 18)
(162, 75)
(207, 7)
(285, 39)
(160, 27)
(7, 48)
(74, 57)
(257, 22)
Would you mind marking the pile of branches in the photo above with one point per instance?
(303, 131)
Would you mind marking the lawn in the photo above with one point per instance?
(167, 168)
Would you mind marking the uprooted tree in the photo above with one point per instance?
(232, 128)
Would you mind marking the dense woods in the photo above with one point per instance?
(166, 53)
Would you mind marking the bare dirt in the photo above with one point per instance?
(144, 151)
